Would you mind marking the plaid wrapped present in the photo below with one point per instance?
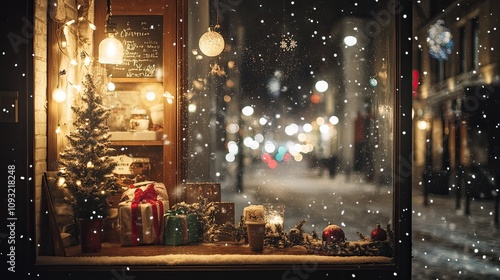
(180, 228)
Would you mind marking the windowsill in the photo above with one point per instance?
(220, 254)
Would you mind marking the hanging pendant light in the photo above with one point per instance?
(110, 49)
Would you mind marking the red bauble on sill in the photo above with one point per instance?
(379, 234)
(333, 234)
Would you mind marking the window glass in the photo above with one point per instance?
(295, 107)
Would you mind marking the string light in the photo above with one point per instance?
(59, 94)
(110, 86)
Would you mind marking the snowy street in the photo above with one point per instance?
(446, 243)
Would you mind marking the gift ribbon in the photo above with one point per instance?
(150, 196)
(185, 229)
(179, 213)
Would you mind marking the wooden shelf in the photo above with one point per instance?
(137, 143)
(135, 80)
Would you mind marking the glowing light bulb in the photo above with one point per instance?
(86, 61)
(59, 95)
(111, 51)
(150, 95)
(110, 86)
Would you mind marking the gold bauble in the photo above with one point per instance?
(211, 43)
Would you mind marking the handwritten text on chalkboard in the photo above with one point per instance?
(142, 41)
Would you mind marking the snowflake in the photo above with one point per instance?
(288, 44)
(283, 44)
(440, 41)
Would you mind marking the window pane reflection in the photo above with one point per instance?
(297, 109)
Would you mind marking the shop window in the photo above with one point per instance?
(294, 107)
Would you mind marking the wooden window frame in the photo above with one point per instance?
(175, 13)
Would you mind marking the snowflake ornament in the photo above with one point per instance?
(288, 43)
(439, 40)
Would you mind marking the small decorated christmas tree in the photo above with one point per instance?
(85, 164)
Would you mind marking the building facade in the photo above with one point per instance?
(456, 81)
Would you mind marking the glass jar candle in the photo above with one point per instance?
(139, 120)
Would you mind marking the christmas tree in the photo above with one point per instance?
(85, 164)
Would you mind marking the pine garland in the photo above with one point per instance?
(205, 213)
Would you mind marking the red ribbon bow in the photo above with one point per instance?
(150, 196)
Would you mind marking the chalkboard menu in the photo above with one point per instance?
(142, 41)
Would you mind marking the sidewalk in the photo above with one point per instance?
(447, 244)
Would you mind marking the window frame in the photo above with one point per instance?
(402, 183)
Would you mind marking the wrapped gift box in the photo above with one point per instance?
(209, 190)
(181, 229)
(140, 214)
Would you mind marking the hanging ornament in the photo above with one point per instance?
(439, 40)
(211, 42)
(333, 234)
(287, 42)
(379, 234)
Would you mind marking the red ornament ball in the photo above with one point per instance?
(333, 233)
(379, 234)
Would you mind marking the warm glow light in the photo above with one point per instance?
(321, 86)
(333, 120)
(192, 108)
(61, 181)
(110, 51)
(307, 127)
(110, 86)
(150, 95)
(350, 41)
(422, 125)
(59, 95)
(87, 60)
(247, 111)
(276, 220)
(211, 43)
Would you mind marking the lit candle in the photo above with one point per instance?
(275, 216)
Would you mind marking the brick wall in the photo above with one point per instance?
(79, 39)
(40, 88)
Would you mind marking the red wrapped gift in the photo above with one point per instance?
(141, 213)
